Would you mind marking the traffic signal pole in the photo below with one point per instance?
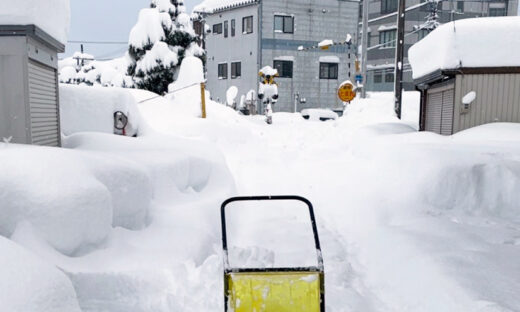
(399, 59)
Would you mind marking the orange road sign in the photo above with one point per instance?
(346, 92)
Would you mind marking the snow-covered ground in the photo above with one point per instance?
(408, 221)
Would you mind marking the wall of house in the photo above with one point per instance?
(496, 101)
(14, 114)
(240, 48)
(314, 21)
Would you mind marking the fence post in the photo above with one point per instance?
(203, 99)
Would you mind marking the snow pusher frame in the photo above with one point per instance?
(298, 289)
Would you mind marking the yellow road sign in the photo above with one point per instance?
(346, 92)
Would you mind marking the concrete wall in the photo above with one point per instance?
(314, 21)
(497, 99)
(241, 48)
(14, 112)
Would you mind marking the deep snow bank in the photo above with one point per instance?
(30, 284)
(23, 12)
(91, 109)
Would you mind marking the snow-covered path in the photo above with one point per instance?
(390, 242)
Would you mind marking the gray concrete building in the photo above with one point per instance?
(247, 35)
(383, 31)
(29, 108)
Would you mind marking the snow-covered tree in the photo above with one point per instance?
(158, 43)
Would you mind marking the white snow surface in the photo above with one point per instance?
(408, 221)
(325, 43)
(38, 12)
(472, 42)
(30, 284)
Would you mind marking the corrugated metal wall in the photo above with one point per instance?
(440, 110)
(43, 102)
(498, 99)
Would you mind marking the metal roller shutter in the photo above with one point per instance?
(433, 112)
(447, 112)
(43, 102)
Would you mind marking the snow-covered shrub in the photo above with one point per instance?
(158, 43)
(104, 73)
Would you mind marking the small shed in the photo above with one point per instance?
(468, 73)
(29, 101)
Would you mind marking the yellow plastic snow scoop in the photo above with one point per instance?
(297, 289)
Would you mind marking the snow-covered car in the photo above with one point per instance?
(319, 114)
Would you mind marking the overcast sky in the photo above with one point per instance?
(102, 20)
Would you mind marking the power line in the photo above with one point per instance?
(97, 42)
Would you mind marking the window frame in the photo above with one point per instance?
(216, 28)
(244, 26)
(222, 74)
(503, 10)
(282, 73)
(389, 44)
(226, 29)
(379, 76)
(284, 18)
(233, 28)
(234, 72)
(329, 67)
(387, 8)
(390, 74)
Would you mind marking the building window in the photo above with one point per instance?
(497, 12)
(328, 70)
(460, 6)
(222, 71)
(389, 77)
(236, 70)
(378, 77)
(387, 38)
(217, 29)
(284, 24)
(388, 6)
(233, 28)
(284, 68)
(226, 29)
(247, 25)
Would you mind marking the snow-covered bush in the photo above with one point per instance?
(104, 73)
(158, 43)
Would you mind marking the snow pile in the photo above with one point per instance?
(231, 95)
(30, 284)
(269, 71)
(325, 43)
(471, 42)
(23, 12)
(149, 27)
(91, 109)
(209, 6)
(317, 114)
(68, 208)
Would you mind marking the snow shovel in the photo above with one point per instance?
(279, 289)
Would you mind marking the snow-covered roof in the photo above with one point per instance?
(468, 43)
(212, 6)
(37, 12)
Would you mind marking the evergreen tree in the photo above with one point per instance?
(159, 41)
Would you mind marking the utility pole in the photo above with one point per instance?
(364, 49)
(399, 59)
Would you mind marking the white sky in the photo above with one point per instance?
(102, 20)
